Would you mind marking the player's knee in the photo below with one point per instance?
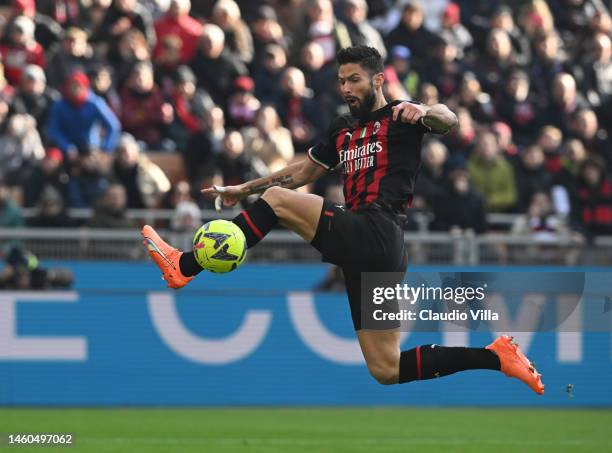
(384, 374)
(276, 197)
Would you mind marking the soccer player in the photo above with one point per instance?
(377, 148)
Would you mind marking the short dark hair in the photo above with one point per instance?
(367, 57)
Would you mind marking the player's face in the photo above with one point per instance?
(358, 88)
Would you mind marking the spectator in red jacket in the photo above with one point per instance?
(145, 114)
(178, 22)
(21, 50)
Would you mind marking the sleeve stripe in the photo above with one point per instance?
(318, 162)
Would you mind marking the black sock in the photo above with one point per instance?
(432, 361)
(256, 221)
(188, 264)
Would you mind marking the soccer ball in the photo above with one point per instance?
(219, 246)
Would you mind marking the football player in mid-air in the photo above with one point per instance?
(377, 148)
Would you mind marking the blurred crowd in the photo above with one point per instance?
(90, 90)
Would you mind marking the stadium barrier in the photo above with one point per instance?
(258, 336)
(281, 245)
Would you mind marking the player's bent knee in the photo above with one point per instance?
(384, 374)
(275, 196)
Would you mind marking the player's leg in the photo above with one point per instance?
(297, 211)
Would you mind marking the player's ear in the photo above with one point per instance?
(378, 79)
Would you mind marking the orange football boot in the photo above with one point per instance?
(166, 257)
(515, 364)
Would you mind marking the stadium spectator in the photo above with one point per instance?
(110, 211)
(51, 211)
(540, 220)
(190, 106)
(144, 182)
(48, 173)
(269, 72)
(102, 85)
(319, 76)
(502, 18)
(131, 50)
(237, 166)
(47, 32)
(564, 102)
(178, 22)
(565, 181)
(471, 96)
(459, 207)
(433, 178)
(496, 63)
(531, 176)
(81, 121)
(74, 55)
(186, 217)
(266, 30)
(226, 14)
(122, 16)
(585, 127)
(204, 145)
(411, 32)
(242, 105)
(34, 97)
(269, 140)
(215, 66)
(10, 212)
(359, 29)
(548, 62)
(320, 25)
(453, 30)
(549, 139)
(87, 179)
(492, 175)
(594, 198)
(596, 70)
(444, 70)
(400, 60)
(167, 62)
(461, 139)
(517, 108)
(144, 112)
(21, 49)
(20, 149)
(298, 109)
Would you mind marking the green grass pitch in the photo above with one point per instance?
(327, 430)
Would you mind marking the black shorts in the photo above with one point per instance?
(367, 241)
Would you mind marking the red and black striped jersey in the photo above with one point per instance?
(379, 158)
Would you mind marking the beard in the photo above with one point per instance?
(364, 106)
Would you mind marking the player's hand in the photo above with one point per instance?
(225, 195)
(408, 112)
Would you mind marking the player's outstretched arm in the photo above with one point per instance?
(291, 177)
(438, 118)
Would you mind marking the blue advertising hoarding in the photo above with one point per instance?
(258, 336)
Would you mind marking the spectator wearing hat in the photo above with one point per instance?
(400, 60)
(214, 65)
(48, 173)
(190, 105)
(21, 49)
(144, 182)
(226, 14)
(359, 29)
(34, 97)
(48, 31)
(242, 105)
(492, 175)
(74, 55)
(144, 113)
(453, 30)
(178, 22)
(411, 32)
(81, 121)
